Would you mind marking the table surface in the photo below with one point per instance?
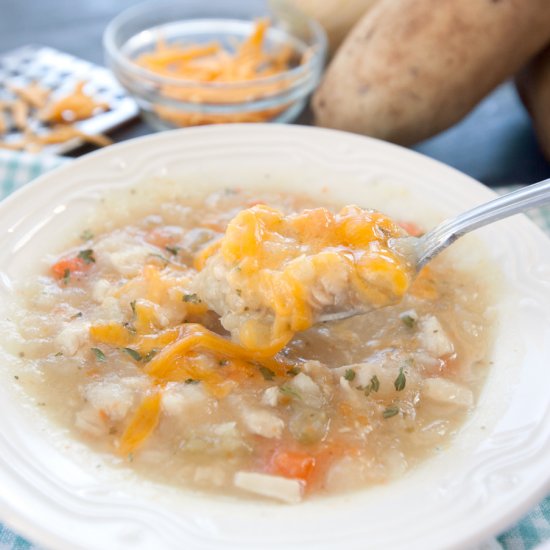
(495, 143)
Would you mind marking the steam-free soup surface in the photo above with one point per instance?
(120, 348)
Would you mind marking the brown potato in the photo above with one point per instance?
(533, 84)
(412, 68)
(336, 16)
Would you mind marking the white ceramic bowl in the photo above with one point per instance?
(497, 468)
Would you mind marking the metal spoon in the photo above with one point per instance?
(427, 247)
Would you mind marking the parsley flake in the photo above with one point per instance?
(349, 375)
(99, 355)
(408, 320)
(191, 299)
(400, 381)
(192, 381)
(133, 306)
(66, 276)
(290, 392)
(390, 411)
(87, 255)
(150, 355)
(293, 371)
(130, 328)
(173, 249)
(268, 374)
(135, 355)
(86, 235)
(373, 385)
(160, 257)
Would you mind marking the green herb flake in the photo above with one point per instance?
(223, 362)
(130, 328)
(59, 354)
(349, 375)
(133, 306)
(77, 315)
(99, 355)
(191, 299)
(86, 235)
(160, 257)
(390, 411)
(192, 381)
(293, 371)
(408, 320)
(87, 255)
(16, 377)
(147, 357)
(135, 355)
(66, 276)
(239, 292)
(173, 249)
(290, 392)
(400, 381)
(373, 385)
(268, 374)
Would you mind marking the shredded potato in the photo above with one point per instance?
(211, 63)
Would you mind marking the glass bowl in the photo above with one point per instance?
(170, 102)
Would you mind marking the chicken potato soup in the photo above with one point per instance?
(122, 344)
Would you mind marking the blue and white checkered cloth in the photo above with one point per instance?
(16, 169)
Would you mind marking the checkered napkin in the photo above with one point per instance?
(16, 169)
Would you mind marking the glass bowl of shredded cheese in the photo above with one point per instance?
(195, 62)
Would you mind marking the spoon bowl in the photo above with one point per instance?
(422, 250)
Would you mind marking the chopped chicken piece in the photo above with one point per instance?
(280, 488)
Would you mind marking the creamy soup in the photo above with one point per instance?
(128, 356)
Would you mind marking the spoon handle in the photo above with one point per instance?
(447, 232)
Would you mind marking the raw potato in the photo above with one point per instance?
(336, 16)
(534, 87)
(412, 68)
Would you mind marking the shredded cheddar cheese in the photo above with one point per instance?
(288, 268)
(197, 64)
(142, 424)
(75, 106)
(32, 104)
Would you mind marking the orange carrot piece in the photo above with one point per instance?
(293, 464)
(70, 265)
(411, 228)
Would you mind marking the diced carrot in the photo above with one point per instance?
(411, 228)
(69, 265)
(293, 464)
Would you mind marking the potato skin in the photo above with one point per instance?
(533, 84)
(336, 16)
(411, 68)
